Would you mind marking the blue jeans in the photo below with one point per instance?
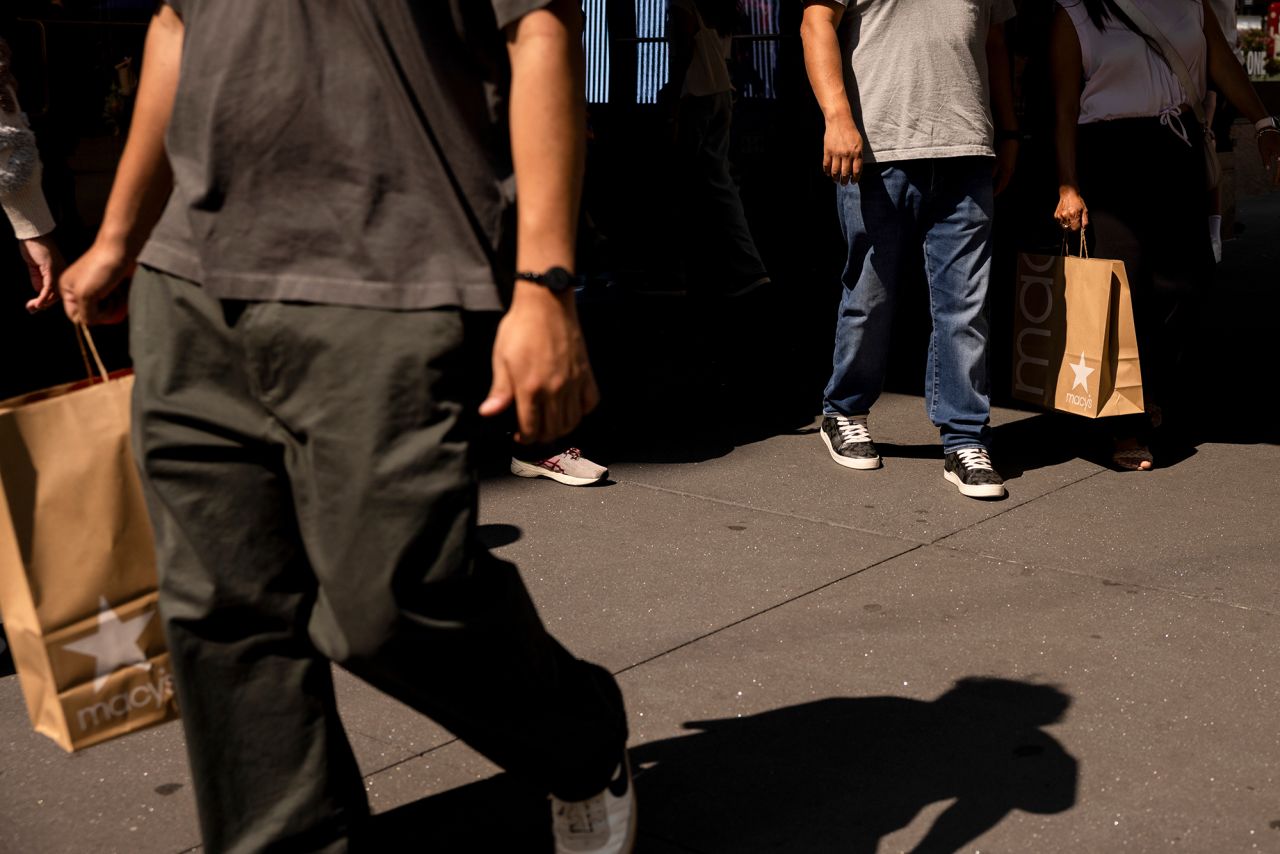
(943, 206)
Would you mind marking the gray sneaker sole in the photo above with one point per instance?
(985, 490)
(864, 464)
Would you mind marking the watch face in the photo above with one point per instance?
(557, 279)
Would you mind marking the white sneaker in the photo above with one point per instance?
(568, 467)
(603, 824)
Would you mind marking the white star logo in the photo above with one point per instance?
(1082, 375)
(115, 645)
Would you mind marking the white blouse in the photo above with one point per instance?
(1123, 77)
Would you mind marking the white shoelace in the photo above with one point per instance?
(852, 430)
(975, 458)
(1171, 117)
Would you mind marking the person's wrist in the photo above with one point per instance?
(112, 245)
(556, 278)
(532, 293)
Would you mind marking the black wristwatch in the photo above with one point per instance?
(1008, 136)
(557, 279)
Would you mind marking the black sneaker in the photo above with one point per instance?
(971, 471)
(849, 441)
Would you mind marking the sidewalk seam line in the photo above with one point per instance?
(769, 609)
(691, 641)
(738, 504)
(1008, 510)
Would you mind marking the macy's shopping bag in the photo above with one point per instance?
(77, 565)
(1074, 344)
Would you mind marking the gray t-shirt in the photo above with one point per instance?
(345, 152)
(916, 75)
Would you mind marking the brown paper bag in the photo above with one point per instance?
(77, 565)
(1075, 348)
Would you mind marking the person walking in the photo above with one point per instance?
(908, 91)
(720, 251)
(21, 196)
(1131, 169)
(326, 230)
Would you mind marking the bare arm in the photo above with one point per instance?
(141, 186)
(1225, 70)
(539, 358)
(842, 144)
(1067, 70)
(1000, 75)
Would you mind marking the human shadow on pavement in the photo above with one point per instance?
(1043, 440)
(839, 774)
(496, 535)
(497, 814)
(832, 775)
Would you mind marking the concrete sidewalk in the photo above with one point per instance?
(819, 659)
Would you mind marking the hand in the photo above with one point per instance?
(540, 364)
(1269, 148)
(842, 152)
(43, 263)
(90, 287)
(1006, 162)
(1071, 213)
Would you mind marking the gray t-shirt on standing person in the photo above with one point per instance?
(916, 75)
(347, 152)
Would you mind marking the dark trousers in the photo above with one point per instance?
(1145, 189)
(720, 249)
(309, 481)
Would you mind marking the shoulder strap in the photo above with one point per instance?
(1171, 54)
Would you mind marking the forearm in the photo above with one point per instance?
(1229, 75)
(1066, 71)
(548, 131)
(143, 179)
(1000, 75)
(825, 65)
(1065, 138)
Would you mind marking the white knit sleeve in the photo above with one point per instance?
(20, 173)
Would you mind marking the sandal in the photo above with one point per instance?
(1136, 458)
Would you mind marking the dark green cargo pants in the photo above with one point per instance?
(308, 479)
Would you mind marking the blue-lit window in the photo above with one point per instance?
(755, 47)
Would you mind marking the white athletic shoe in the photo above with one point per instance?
(568, 467)
(603, 824)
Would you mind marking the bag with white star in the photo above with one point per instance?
(77, 564)
(1075, 348)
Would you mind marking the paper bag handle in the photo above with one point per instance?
(1084, 245)
(82, 338)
